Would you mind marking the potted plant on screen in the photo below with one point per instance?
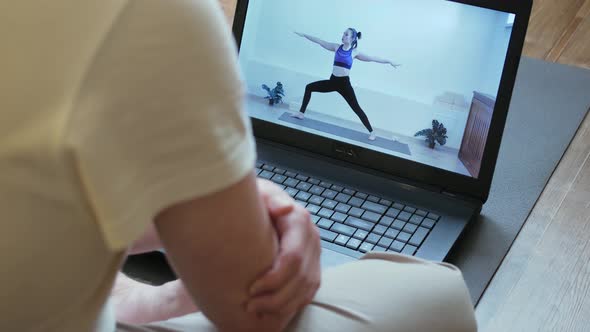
(275, 95)
(436, 134)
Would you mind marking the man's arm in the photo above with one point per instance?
(219, 245)
(139, 303)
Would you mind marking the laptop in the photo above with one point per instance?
(383, 118)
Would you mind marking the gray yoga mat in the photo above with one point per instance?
(548, 106)
(354, 135)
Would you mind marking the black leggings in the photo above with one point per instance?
(343, 87)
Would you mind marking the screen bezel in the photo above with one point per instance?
(399, 167)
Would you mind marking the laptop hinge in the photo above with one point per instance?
(461, 197)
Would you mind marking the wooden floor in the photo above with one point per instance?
(544, 282)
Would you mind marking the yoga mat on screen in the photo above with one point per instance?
(343, 132)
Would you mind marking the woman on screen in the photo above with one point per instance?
(345, 53)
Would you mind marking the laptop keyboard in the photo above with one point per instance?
(355, 221)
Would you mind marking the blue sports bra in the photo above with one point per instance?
(343, 58)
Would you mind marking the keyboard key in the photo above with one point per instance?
(259, 164)
(403, 237)
(325, 213)
(348, 191)
(385, 202)
(257, 171)
(428, 223)
(314, 181)
(304, 186)
(325, 223)
(291, 191)
(398, 206)
(355, 201)
(337, 188)
(302, 195)
(433, 216)
(373, 238)
(290, 174)
(356, 212)
(313, 209)
(317, 200)
(330, 204)
(405, 216)
(409, 250)
(343, 229)
(325, 184)
(315, 219)
(392, 212)
(316, 190)
(371, 216)
(397, 246)
(327, 235)
(353, 244)
(279, 171)
(366, 247)
(410, 228)
(410, 209)
(266, 175)
(341, 240)
(302, 177)
(302, 203)
(418, 237)
(377, 208)
(343, 198)
(291, 182)
(268, 168)
(392, 233)
(386, 221)
(361, 195)
(341, 207)
(398, 224)
(358, 223)
(379, 229)
(282, 186)
(421, 213)
(385, 242)
(379, 249)
(373, 199)
(339, 217)
(360, 234)
(416, 219)
(329, 193)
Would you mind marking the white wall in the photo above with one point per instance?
(442, 46)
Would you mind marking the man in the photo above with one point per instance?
(121, 114)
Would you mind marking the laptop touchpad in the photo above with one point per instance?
(331, 258)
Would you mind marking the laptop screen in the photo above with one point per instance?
(412, 79)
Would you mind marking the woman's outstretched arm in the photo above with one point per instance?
(368, 58)
(327, 45)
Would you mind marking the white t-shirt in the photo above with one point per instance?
(110, 111)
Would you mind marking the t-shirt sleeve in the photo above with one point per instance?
(158, 119)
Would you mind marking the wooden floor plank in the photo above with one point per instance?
(548, 24)
(577, 51)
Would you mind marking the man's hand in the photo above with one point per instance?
(294, 278)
